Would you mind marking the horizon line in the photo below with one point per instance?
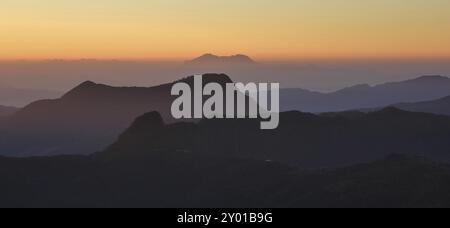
(262, 60)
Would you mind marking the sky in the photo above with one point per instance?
(263, 29)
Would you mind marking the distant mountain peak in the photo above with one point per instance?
(209, 55)
(84, 88)
(430, 78)
(215, 59)
(87, 84)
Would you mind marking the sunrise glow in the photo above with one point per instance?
(264, 29)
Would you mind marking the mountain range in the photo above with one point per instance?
(384, 158)
(302, 140)
(105, 146)
(84, 120)
(143, 169)
(91, 116)
(364, 96)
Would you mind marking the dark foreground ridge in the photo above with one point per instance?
(302, 139)
(157, 165)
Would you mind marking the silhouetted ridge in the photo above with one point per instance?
(365, 96)
(221, 79)
(86, 119)
(149, 135)
(145, 129)
(87, 84)
(302, 139)
(356, 88)
(176, 179)
(391, 111)
(440, 106)
(87, 89)
(152, 120)
(430, 78)
(232, 163)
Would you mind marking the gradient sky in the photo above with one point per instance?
(264, 29)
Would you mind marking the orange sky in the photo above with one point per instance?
(264, 29)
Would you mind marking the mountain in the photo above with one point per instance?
(86, 119)
(149, 166)
(6, 111)
(91, 116)
(364, 96)
(214, 59)
(439, 106)
(22, 97)
(302, 139)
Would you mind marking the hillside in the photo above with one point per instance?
(210, 59)
(302, 139)
(84, 120)
(131, 174)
